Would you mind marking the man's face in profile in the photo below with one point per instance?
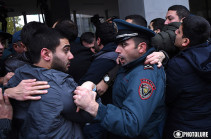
(171, 16)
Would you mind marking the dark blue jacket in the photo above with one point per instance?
(101, 66)
(54, 116)
(5, 127)
(138, 101)
(2, 68)
(81, 62)
(189, 90)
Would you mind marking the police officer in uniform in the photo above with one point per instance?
(138, 109)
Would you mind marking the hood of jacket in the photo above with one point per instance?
(110, 47)
(199, 57)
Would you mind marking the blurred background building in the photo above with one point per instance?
(14, 14)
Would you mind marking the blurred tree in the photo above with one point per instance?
(10, 24)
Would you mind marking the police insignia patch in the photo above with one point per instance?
(146, 88)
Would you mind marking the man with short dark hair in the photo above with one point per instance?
(88, 40)
(138, 92)
(28, 30)
(67, 28)
(165, 39)
(136, 19)
(53, 116)
(176, 13)
(27, 89)
(189, 80)
(81, 54)
(87, 37)
(157, 25)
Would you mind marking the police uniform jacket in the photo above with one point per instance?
(138, 102)
(188, 93)
(54, 116)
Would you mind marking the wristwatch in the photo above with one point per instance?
(106, 79)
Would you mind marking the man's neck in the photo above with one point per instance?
(42, 64)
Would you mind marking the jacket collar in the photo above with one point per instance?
(109, 47)
(138, 61)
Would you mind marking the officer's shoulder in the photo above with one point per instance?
(149, 67)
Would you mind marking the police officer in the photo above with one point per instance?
(138, 92)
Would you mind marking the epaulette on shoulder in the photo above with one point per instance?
(148, 66)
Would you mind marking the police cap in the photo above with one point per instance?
(127, 30)
(16, 37)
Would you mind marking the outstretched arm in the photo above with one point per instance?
(89, 86)
(4, 80)
(85, 99)
(155, 58)
(26, 90)
(5, 107)
(6, 113)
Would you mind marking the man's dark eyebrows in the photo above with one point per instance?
(122, 43)
(66, 46)
(170, 16)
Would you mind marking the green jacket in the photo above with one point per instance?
(165, 39)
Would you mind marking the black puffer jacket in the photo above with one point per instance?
(165, 39)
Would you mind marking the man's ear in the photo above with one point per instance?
(181, 20)
(157, 31)
(142, 47)
(15, 46)
(46, 54)
(24, 46)
(185, 42)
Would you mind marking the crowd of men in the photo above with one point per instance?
(123, 81)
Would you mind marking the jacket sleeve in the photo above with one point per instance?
(97, 70)
(53, 109)
(175, 80)
(165, 41)
(130, 118)
(69, 107)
